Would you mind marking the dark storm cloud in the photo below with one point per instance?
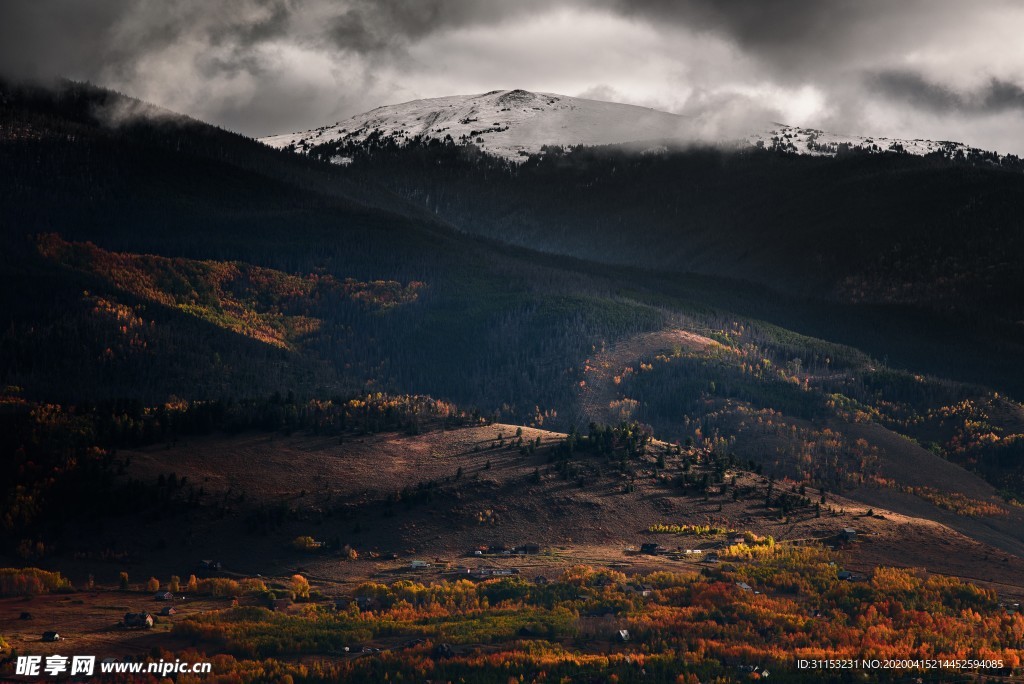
(64, 37)
(785, 26)
(370, 25)
(777, 25)
(996, 96)
(42, 38)
(410, 19)
(768, 28)
(73, 32)
(797, 35)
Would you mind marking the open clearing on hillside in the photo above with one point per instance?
(599, 392)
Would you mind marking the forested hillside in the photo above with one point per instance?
(182, 260)
(877, 228)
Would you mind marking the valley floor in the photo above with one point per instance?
(459, 502)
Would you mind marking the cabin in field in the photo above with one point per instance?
(848, 534)
(164, 596)
(167, 611)
(744, 587)
(652, 549)
(51, 636)
(137, 621)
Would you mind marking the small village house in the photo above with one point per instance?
(137, 621)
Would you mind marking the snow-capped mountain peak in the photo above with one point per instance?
(514, 124)
(507, 123)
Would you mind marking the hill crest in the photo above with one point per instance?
(507, 123)
(514, 124)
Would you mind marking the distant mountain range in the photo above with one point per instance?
(514, 124)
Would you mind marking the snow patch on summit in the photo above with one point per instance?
(514, 124)
(818, 143)
(506, 123)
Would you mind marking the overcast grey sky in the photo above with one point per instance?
(940, 69)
